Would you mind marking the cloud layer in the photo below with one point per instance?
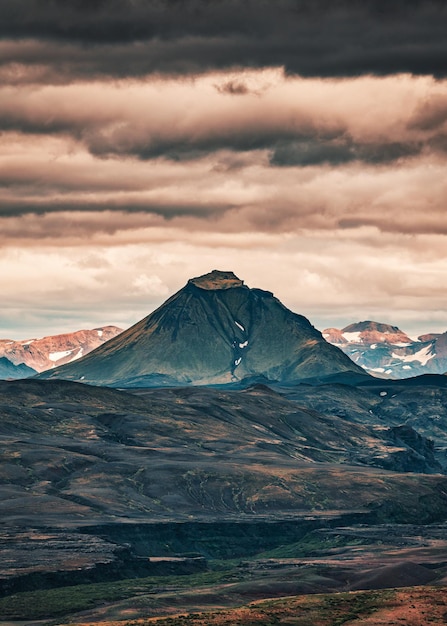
(301, 144)
(308, 37)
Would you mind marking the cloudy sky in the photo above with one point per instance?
(300, 143)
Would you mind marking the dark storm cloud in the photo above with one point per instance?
(298, 122)
(287, 148)
(284, 151)
(308, 37)
(315, 152)
(180, 148)
(168, 211)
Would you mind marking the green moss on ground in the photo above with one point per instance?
(311, 544)
(50, 603)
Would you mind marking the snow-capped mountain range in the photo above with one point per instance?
(386, 351)
(48, 352)
(382, 350)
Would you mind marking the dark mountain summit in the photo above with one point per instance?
(216, 280)
(214, 330)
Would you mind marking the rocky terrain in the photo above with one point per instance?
(36, 355)
(387, 352)
(92, 454)
(114, 504)
(213, 331)
(415, 606)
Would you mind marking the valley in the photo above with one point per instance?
(219, 454)
(124, 506)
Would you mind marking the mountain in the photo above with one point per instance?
(387, 351)
(48, 352)
(10, 371)
(215, 330)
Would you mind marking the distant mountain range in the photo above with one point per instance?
(386, 351)
(19, 359)
(215, 330)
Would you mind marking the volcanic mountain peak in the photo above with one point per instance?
(215, 330)
(216, 280)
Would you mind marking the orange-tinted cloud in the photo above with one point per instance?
(301, 144)
(351, 152)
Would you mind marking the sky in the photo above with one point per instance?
(301, 144)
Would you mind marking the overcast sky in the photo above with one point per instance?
(301, 144)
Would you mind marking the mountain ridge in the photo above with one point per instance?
(385, 350)
(10, 371)
(53, 350)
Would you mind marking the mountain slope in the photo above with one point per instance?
(100, 485)
(214, 330)
(386, 350)
(9, 371)
(76, 454)
(48, 352)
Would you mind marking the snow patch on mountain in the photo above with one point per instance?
(56, 356)
(78, 355)
(352, 337)
(43, 354)
(423, 356)
(387, 351)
